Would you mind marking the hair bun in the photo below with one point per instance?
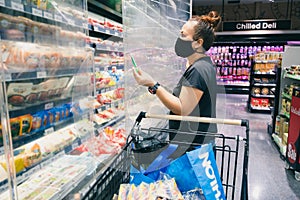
(213, 19)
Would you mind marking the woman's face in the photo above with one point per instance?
(187, 31)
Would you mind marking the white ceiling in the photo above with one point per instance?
(219, 2)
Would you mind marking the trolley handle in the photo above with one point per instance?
(242, 122)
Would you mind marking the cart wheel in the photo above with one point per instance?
(297, 176)
(287, 165)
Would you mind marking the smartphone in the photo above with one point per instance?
(134, 64)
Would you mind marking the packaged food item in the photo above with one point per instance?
(277, 124)
(50, 117)
(63, 82)
(17, 93)
(255, 102)
(37, 121)
(264, 103)
(26, 124)
(46, 89)
(31, 154)
(33, 96)
(123, 191)
(265, 91)
(19, 163)
(30, 56)
(15, 127)
(256, 90)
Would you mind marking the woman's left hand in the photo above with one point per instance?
(143, 78)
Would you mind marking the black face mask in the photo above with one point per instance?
(183, 48)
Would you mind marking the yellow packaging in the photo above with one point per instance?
(282, 121)
(26, 124)
(19, 163)
(42, 4)
(284, 138)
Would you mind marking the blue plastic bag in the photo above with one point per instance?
(195, 169)
(205, 168)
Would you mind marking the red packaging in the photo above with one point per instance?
(293, 141)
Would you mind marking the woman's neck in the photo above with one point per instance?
(194, 57)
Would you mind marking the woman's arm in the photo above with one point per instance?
(184, 105)
(188, 99)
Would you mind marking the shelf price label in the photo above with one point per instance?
(48, 15)
(107, 31)
(49, 130)
(41, 74)
(49, 105)
(2, 2)
(37, 12)
(17, 6)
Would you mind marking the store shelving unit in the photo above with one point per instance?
(288, 82)
(48, 112)
(263, 81)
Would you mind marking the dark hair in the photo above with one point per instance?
(206, 27)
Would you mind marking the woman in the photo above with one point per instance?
(195, 93)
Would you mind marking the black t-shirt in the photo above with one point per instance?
(201, 75)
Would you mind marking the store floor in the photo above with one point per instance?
(268, 178)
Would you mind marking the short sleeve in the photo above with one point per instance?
(194, 78)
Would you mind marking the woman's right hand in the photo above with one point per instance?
(143, 78)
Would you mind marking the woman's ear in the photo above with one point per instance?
(200, 41)
(198, 44)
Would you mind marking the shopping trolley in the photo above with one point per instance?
(231, 152)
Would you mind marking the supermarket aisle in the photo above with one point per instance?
(268, 178)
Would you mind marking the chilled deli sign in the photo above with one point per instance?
(257, 25)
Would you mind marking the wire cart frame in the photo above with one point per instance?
(232, 154)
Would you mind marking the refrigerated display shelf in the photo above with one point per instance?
(103, 68)
(98, 31)
(260, 109)
(234, 83)
(50, 17)
(100, 47)
(290, 76)
(265, 84)
(262, 96)
(110, 88)
(266, 61)
(286, 115)
(286, 96)
(33, 108)
(264, 74)
(14, 75)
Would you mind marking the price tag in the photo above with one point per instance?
(58, 18)
(49, 106)
(8, 77)
(48, 15)
(17, 6)
(107, 31)
(37, 12)
(42, 74)
(116, 33)
(49, 130)
(2, 2)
